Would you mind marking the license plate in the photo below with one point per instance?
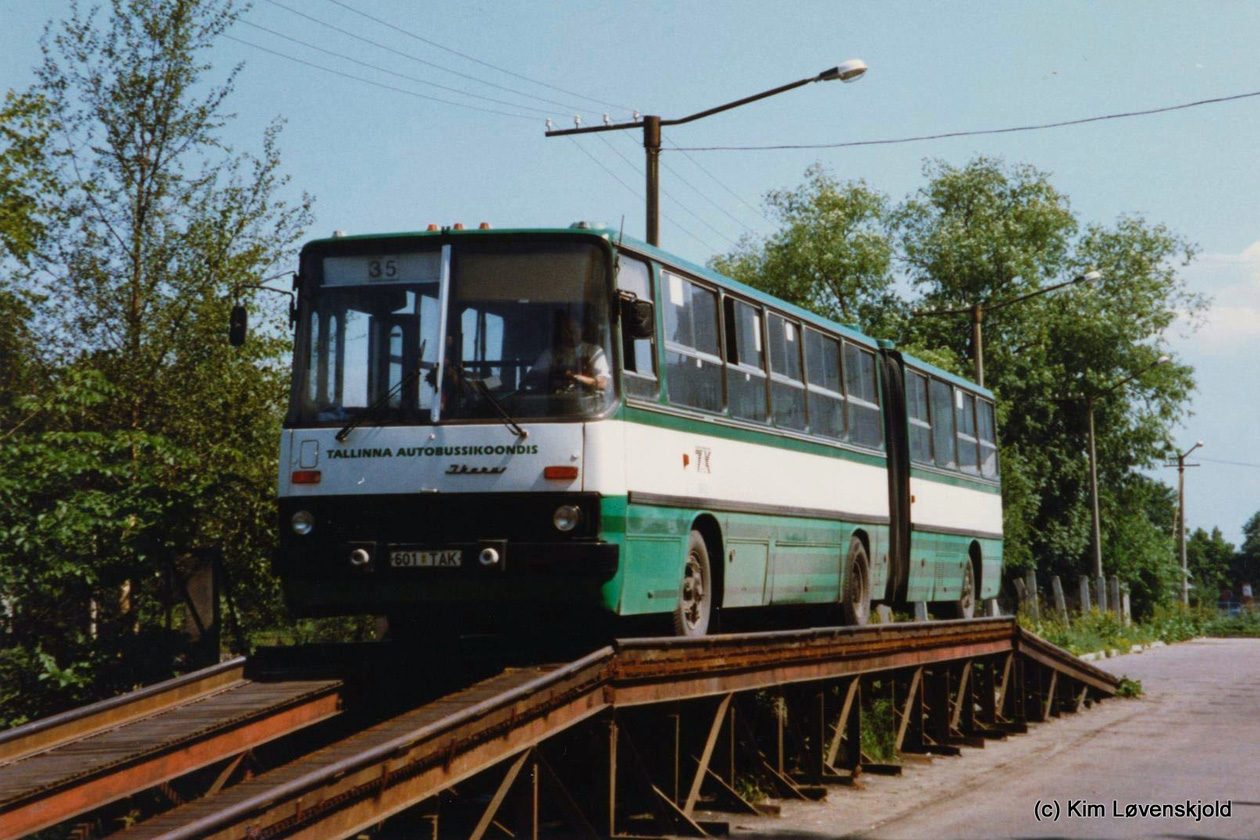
(406, 558)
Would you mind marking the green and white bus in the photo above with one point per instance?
(514, 420)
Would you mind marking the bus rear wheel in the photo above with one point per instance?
(856, 604)
(695, 593)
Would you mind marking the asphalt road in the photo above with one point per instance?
(1193, 736)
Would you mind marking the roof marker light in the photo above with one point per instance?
(484, 226)
(432, 227)
(458, 226)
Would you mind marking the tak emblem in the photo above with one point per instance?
(703, 453)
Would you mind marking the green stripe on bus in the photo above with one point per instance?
(956, 480)
(634, 414)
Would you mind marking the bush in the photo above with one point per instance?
(1097, 630)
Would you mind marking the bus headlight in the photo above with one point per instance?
(566, 517)
(303, 522)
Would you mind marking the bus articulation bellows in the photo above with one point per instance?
(520, 419)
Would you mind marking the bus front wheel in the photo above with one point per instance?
(856, 604)
(695, 592)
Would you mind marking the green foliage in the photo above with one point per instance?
(1129, 688)
(832, 253)
(1099, 631)
(1208, 558)
(987, 234)
(136, 433)
(1244, 624)
(1138, 547)
(983, 231)
(28, 185)
(879, 725)
(1245, 567)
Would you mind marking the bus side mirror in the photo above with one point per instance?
(638, 318)
(238, 324)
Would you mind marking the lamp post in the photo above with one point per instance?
(1093, 459)
(977, 311)
(849, 71)
(1181, 518)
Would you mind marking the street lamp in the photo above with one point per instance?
(1181, 518)
(1093, 463)
(849, 71)
(977, 311)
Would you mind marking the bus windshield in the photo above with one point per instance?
(526, 326)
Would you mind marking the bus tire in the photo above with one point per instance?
(965, 606)
(855, 603)
(694, 609)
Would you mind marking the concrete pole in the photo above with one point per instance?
(1113, 595)
(652, 145)
(977, 342)
(1060, 603)
(1093, 495)
(1181, 528)
(1030, 581)
(1100, 593)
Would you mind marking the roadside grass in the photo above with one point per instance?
(1098, 631)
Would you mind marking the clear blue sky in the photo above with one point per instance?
(378, 159)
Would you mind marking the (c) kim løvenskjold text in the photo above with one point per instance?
(1193, 809)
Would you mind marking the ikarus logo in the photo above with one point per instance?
(464, 469)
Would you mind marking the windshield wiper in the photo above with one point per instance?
(384, 399)
(479, 386)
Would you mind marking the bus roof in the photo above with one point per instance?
(612, 236)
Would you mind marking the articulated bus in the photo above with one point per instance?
(570, 420)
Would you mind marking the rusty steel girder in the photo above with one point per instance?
(954, 683)
(74, 763)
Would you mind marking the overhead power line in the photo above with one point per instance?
(474, 59)
(698, 191)
(394, 73)
(376, 84)
(414, 58)
(666, 193)
(949, 134)
(636, 193)
(719, 182)
(1231, 463)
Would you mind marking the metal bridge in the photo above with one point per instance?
(643, 737)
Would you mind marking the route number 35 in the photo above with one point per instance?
(382, 269)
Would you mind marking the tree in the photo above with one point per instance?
(28, 188)
(988, 232)
(155, 437)
(982, 234)
(1245, 567)
(1208, 557)
(831, 254)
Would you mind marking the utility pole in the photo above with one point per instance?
(848, 71)
(977, 310)
(1181, 519)
(1093, 458)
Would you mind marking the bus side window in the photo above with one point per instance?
(745, 361)
(965, 410)
(943, 424)
(639, 355)
(920, 425)
(862, 395)
(988, 439)
(826, 390)
(692, 352)
(787, 391)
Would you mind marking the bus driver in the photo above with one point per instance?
(570, 362)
